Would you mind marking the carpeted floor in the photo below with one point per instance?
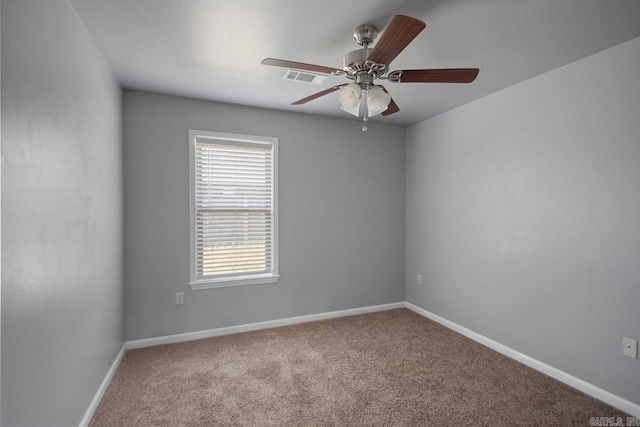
(388, 368)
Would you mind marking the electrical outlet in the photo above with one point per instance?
(179, 298)
(630, 347)
(419, 279)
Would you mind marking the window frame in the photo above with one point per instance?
(237, 140)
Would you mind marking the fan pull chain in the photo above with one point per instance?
(364, 125)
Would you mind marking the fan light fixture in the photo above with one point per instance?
(350, 98)
(377, 100)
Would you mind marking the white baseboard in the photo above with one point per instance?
(103, 387)
(189, 336)
(585, 387)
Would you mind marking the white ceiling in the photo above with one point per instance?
(212, 49)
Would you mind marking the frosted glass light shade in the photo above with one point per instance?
(377, 100)
(349, 97)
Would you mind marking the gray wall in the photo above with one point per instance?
(62, 296)
(341, 209)
(0, 226)
(523, 213)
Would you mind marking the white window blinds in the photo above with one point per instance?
(234, 209)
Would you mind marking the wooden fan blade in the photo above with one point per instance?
(317, 95)
(399, 33)
(391, 108)
(444, 75)
(301, 66)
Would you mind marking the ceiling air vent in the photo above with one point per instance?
(304, 77)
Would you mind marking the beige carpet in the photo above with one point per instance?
(387, 368)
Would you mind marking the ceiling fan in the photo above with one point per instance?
(365, 65)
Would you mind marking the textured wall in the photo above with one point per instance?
(522, 217)
(341, 209)
(62, 296)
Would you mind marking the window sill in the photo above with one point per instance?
(233, 281)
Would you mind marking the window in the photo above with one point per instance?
(234, 221)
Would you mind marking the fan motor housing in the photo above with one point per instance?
(355, 62)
